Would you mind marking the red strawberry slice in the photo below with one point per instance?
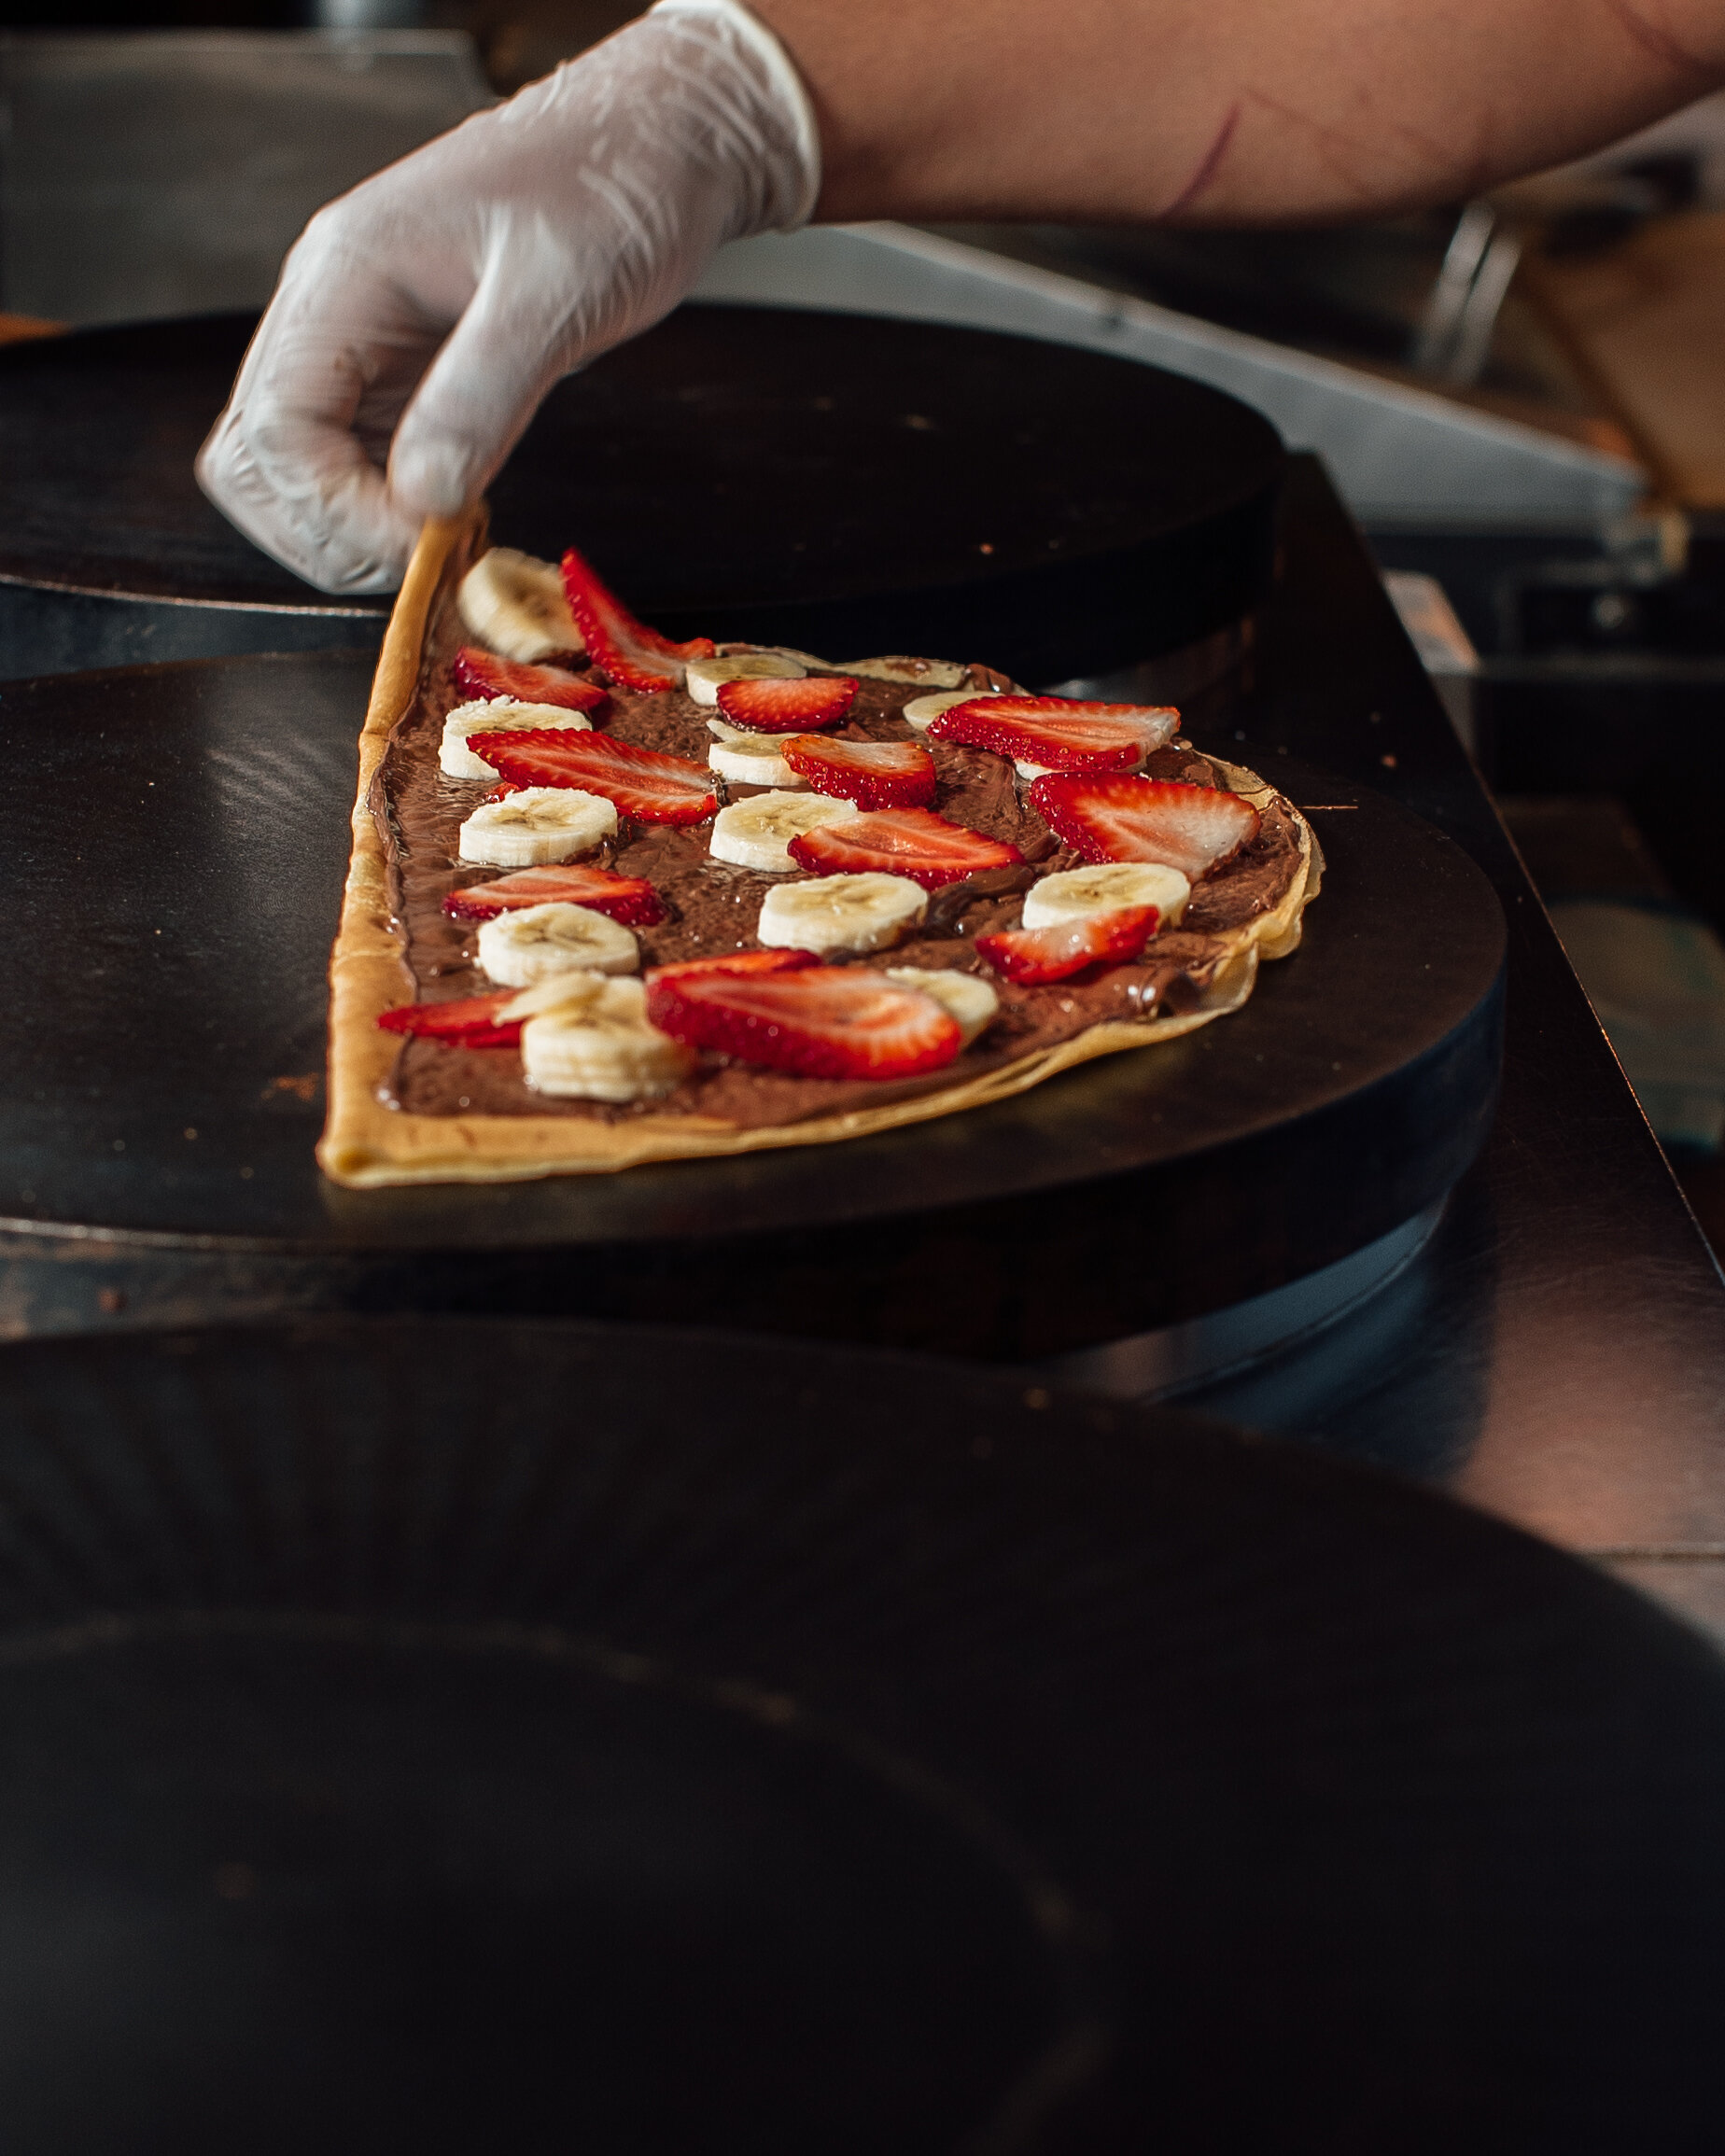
(629, 899)
(774, 961)
(788, 706)
(817, 1021)
(1194, 829)
(480, 675)
(912, 842)
(873, 774)
(638, 782)
(468, 1022)
(1060, 735)
(1031, 956)
(627, 649)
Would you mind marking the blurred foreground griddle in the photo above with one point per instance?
(426, 1734)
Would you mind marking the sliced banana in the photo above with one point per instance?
(600, 1047)
(522, 946)
(756, 834)
(971, 1000)
(514, 604)
(841, 913)
(930, 673)
(1078, 893)
(752, 759)
(540, 825)
(496, 715)
(704, 677)
(922, 711)
(555, 992)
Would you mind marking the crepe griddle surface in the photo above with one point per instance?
(433, 1735)
(175, 844)
(840, 483)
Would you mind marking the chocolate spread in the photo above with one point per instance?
(711, 907)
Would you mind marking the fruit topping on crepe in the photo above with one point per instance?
(480, 675)
(873, 774)
(912, 842)
(629, 899)
(468, 1022)
(514, 604)
(1032, 957)
(1053, 734)
(787, 706)
(1195, 829)
(759, 832)
(842, 912)
(736, 962)
(638, 782)
(815, 1022)
(702, 679)
(535, 825)
(1075, 893)
(628, 651)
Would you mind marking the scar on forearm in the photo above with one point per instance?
(1653, 38)
(1207, 166)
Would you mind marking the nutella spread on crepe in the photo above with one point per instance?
(973, 833)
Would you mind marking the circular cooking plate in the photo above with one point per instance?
(429, 1735)
(837, 481)
(175, 844)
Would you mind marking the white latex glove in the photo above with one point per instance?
(440, 300)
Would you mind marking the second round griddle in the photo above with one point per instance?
(840, 483)
(175, 844)
(441, 1735)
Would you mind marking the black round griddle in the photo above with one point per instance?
(174, 847)
(839, 482)
(439, 1735)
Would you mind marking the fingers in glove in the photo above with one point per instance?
(335, 358)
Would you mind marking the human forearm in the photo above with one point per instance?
(1222, 111)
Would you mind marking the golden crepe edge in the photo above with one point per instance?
(369, 1145)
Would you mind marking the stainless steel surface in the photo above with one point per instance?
(166, 172)
(1395, 452)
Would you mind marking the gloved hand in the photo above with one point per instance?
(439, 301)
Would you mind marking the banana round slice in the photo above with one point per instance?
(922, 711)
(841, 913)
(514, 604)
(520, 947)
(540, 825)
(970, 999)
(1076, 893)
(756, 834)
(752, 759)
(602, 1048)
(704, 677)
(496, 715)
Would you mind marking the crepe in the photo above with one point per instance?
(369, 1143)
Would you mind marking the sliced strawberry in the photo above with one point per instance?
(912, 842)
(1060, 735)
(638, 782)
(787, 706)
(502, 790)
(819, 1021)
(481, 675)
(873, 774)
(1194, 829)
(629, 899)
(627, 649)
(468, 1022)
(774, 961)
(1031, 956)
